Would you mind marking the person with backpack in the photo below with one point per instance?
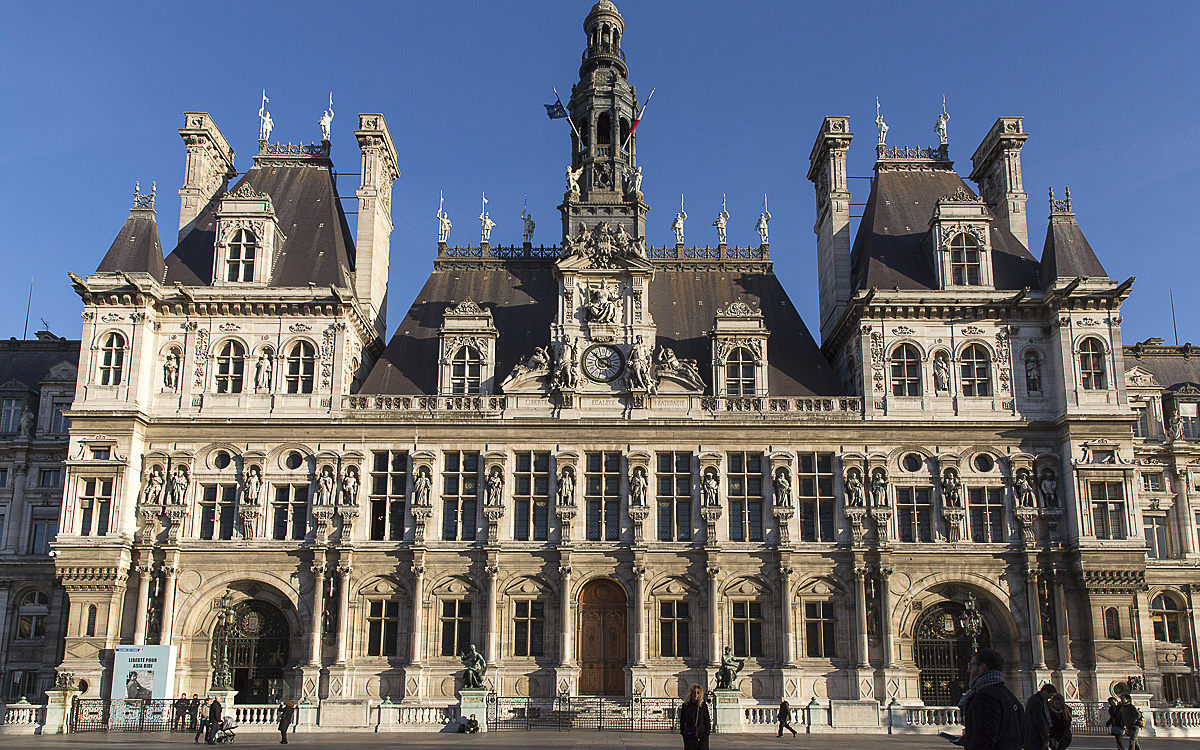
(1129, 718)
(992, 716)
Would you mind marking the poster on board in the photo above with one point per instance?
(143, 672)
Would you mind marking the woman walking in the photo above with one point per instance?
(202, 724)
(785, 718)
(694, 723)
(1060, 723)
(286, 712)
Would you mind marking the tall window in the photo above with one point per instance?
(745, 497)
(1091, 365)
(383, 627)
(1168, 619)
(1158, 538)
(747, 629)
(739, 373)
(914, 509)
(290, 511)
(603, 496)
(529, 629)
(95, 503)
(1141, 428)
(987, 514)
(1177, 688)
(466, 367)
(456, 626)
(674, 629)
(112, 358)
(814, 492)
(230, 360)
(674, 496)
(49, 477)
(389, 484)
(906, 371)
(217, 504)
(32, 613)
(1188, 417)
(460, 494)
(10, 414)
(976, 371)
(301, 361)
(820, 630)
(532, 496)
(964, 260)
(1108, 509)
(59, 424)
(41, 534)
(240, 261)
(90, 627)
(1112, 624)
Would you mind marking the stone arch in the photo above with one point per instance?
(1005, 626)
(579, 586)
(199, 615)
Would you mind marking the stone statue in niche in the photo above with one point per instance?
(422, 484)
(325, 484)
(639, 367)
(951, 489)
(854, 489)
(262, 371)
(25, 423)
(350, 487)
(1049, 488)
(566, 373)
(879, 483)
(941, 373)
(495, 487)
(783, 487)
(566, 486)
(711, 489)
(154, 487)
(603, 304)
(171, 370)
(1033, 373)
(252, 486)
(637, 487)
(1023, 489)
(179, 485)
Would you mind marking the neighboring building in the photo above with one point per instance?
(604, 462)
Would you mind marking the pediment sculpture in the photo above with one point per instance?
(603, 245)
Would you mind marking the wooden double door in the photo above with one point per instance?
(603, 638)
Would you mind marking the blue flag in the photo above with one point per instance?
(555, 111)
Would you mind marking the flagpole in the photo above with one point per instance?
(570, 121)
(636, 120)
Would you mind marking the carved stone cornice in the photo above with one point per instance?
(1113, 581)
(81, 578)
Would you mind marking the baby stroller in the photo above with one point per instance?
(225, 734)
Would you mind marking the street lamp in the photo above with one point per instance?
(223, 676)
(972, 622)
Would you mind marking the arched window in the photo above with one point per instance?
(31, 615)
(240, 261)
(976, 371)
(466, 367)
(1091, 365)
(739, 373)
(301, 362)
(906, 371)
(90, 629)
(230, 361)
(964, 260)
(1112, 624)
(112, 359)
(603, 129)
(1167, 616)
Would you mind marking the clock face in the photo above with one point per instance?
(603, 363)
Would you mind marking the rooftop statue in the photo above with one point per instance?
(486, 221)
(721, 222)
(527, 218)
(940, 127)
(326, 120)
(443, 220)
(761, 225)
(677, 225)
(573, 176)
(880, 124)
(265, 123)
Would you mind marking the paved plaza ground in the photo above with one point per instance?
(526, 740)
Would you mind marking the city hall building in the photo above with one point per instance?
(601, 462)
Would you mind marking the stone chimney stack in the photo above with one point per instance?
(209, 166)
(374, 239)
(996, 168)
(827, 171)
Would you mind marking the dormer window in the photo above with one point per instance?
(301, 363)
(230, 363)
(466, 367)
(1091, 365)
(739, 373)
(964, 260)
(239, 262)
(112, 359)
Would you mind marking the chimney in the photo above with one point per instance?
(208, 170)
(827, 171)
(374, 239)
(996, 168)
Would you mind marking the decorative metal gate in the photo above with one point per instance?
(945, 639)
(586, 712)
(254, 647)
(121, 715)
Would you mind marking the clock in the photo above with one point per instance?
(603, 363)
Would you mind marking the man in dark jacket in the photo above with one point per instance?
(1129, 718)
(991, 714)
(214, 722)
(1037, 718)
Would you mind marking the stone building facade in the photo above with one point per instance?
(604, 462)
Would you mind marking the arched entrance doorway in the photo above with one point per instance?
(258, 642)
(943, 646)
(603, 638)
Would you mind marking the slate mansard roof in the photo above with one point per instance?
(522, 296)
(30, 362)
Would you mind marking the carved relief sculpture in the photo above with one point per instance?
(603, 304)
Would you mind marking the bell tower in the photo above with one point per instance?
(603, 183)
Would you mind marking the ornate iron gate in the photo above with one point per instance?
(943, 646)
(585, 712)
(121, 715)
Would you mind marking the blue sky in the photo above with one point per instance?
(94, 94)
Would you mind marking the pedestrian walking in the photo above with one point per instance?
(1060, 723)
(1129, 718)
(214, 722)
(785, 718)
(287, 713)
(1037, 718)
(202, 723)
(193, 710)
(694, 722)
(992, 716)
(1114, 723)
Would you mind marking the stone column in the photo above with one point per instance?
(417, 614)
(639, 616)
(714, 626)
(17, 527)
(493, 577)
(860, 612)
(143, 603)
(885, 608)
(168, 606)
(789, 638)
(5, 593)
(1035, 620)
(344, 570)
(566, 657)
(318, 594)
(1064, 653)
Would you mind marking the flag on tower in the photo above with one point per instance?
(555, 111)
(641, 112)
